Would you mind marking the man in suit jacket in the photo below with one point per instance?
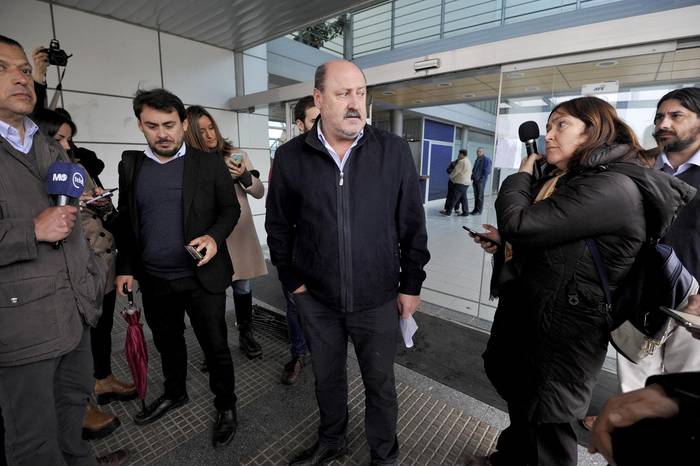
(172, 195)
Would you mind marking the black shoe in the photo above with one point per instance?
(292, 370)
(464, 214)
(473, 212)
(445, 212)
(159, 408)
(318, 455)
(115, 458)
(224, 428)
(249, 346)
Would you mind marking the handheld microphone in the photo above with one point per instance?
(528, 133)
(66, 181)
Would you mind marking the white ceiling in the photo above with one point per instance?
(231, 24)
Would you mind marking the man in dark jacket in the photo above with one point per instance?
(171, 196)
(346, 230)
(677, 132)
(480, 173)
(49, 294)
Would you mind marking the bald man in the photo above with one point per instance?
(346, 231)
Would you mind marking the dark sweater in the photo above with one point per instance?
(159, 200)
(684, 234)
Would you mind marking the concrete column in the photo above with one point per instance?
(239, 73)
(397, 122)
(465, 137)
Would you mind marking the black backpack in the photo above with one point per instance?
(657, 278)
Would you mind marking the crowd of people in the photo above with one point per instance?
(347, 234)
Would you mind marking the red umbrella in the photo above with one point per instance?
(135, 347)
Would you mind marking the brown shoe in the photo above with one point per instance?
(587, 422)
(292, 370)
(111, 388)
(98, 424)
(115, 458)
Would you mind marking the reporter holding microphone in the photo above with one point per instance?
(550, 332)
(48, 296)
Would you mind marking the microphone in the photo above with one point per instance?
(528, 133)
(66, 181)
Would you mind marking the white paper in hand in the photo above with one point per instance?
(408, 329)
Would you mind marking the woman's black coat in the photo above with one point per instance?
(550, 333)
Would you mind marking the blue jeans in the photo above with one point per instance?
(296, 334)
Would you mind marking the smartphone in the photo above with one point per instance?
(481, 236)
(237, 158)
(104, 195)
(196, 255)
(690, 321)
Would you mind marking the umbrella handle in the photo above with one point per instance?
(129, 295)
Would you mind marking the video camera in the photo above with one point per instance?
(57, 56)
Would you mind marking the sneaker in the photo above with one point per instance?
(292, 370)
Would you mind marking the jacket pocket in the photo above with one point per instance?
(91, 290)
(28, 312)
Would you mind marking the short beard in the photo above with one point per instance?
(168, 153)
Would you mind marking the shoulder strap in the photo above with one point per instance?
(602, 273)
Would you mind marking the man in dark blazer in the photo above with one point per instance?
(172, 195)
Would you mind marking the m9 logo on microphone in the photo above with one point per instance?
(59, 177)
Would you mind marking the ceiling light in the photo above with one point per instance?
(606, 63)
(419, 101)
(468, 96)
(532, 88)
(516, 75)
(389, 93)
(445, 84)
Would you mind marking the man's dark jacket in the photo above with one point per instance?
(210, 208)
(354, 239)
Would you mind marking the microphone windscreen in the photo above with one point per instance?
(529, 131)
(66, 179)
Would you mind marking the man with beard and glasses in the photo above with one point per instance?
(172, 195)
(346, 231)
(677, 132)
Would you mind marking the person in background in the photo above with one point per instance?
(87, 158)
(243, 245)
(480, 173)
(97, 424)
(677, 133)
(346, 231)
(550, 333)
(53, 293)
(460, 176)
(305, 116)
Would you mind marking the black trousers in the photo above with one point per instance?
(165, 303)
(101, 338)
(530, 443)
(43, 405)
(374, 335)
(459, 196)
(479, 187)
(449, 202)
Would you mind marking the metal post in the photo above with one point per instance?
(442, 19)
(397, 122)
(348, 38)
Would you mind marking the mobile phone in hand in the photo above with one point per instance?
(196, 255)
(237, 158)
(104, 195)
(690, 321)
(481, 236)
